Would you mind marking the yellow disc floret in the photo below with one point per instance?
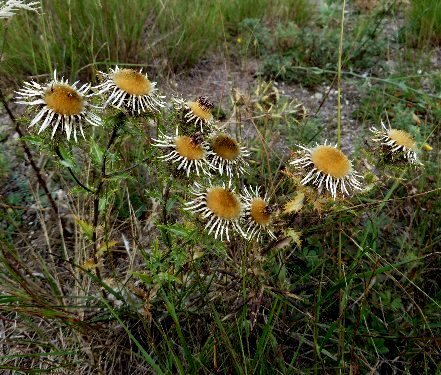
(225, 146)
(223, 203)
(200, 111)
(331, 161)
(187, 148)
(64, 100)
(132, 82)
(259, 212)
(402, 138)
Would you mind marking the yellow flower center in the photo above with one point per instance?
(198, 111)
(132, 82)
(331, 161)
(64, 100)
(258, 212)
(402, 138)
(225, 147)
(223, 203)
(188, 149)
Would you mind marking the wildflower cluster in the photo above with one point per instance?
(64, 107)
(198, 147)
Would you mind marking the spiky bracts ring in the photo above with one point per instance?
(221, 206)
(325, 165)
(130, 90)
(60, 106)
(227, 155)
(258, 214)
(10, 7)
(189, 151)
(398, 144)
(199, 113)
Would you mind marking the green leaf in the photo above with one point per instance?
(85, 227)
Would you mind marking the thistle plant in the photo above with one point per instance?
(194, 243)
(60, 106)
(8, 8)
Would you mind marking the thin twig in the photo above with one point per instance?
(58, 152)
(28, 153)
(340, 53)
(97, 191)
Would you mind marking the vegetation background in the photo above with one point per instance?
(351, 286)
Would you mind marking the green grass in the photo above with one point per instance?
(77, 37)
(424, 23)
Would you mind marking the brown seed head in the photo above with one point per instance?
(64, 100)
(132, 82)
(205, 104)
(197, 138)
(225, 146)
(331, 161)
(188, 149)
(223, 203)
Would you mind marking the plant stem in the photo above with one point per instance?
(341, 328)
(28, 153)
(57, 151)
(97, 192)
(166, 196)
(340, 53)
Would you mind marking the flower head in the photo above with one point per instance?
(258, 213)
(399, 144)
(61, 106)
(199, 113)
(327, 165)
(130, 90)
(220, 205)
(227, 155)
(189, 151)
(8, 8)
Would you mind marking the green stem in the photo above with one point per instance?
(340, 53)
(76, 179)
(97, 193)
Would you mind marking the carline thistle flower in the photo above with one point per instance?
(399, 144)
(199, 113)
(258, 214)
(10, 7)
(61, 106)
(325, 165)
(130, 90)
(227, 155)
(220, 205)
(189, 151)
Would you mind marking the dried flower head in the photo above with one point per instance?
(189, 151)
(8, 8)
(399, 144)
(130, 90)
(220, 205)
(258, 214)
(327, 165)
(61, 106)
(227, 155)
(199, 113)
